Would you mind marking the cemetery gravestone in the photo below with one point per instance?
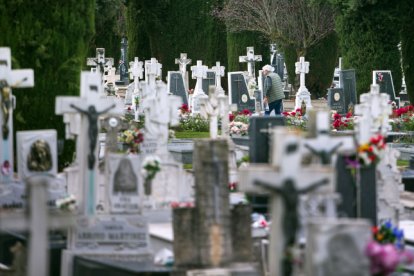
(199, 72)
(336, 100)
(303, 94)
(183, 61)
(209, 80)
(219, 72)
(176, 86)
(348, 84)
(101, 63)
(384, 80)
(250, 58)
(123, 63)
(238, 91)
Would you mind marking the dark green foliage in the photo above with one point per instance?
(407, 47)
(237, 44)
(290, 58)
(52, 38)
(322, 58)
(173, 27)
(110, 27)
(369, 37)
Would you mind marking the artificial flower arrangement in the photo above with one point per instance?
(132, 138)
(368, 153)
(150, 167)
(136, 103)
(386, 251)
(184, 109)
(295, 118)
(342, 122)
(239, 122)
(403, 119)
(232, 186)
(67, 203)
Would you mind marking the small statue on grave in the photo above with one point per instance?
(93, 117)
(5, 107)
(39, 158)
(303, 108)
(125, 179)
(351, 108)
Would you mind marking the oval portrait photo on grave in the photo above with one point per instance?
(125, 179)
(337, 96)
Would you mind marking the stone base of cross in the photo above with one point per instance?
(303, 95)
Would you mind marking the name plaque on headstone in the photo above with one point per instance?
(118, 233)
(125, 183)
(12, 196)
(149, 146)
(336, 100)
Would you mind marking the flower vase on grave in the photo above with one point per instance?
(148, 187)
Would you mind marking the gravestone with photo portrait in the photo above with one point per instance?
(239, 93)
(336, 100)
(384, 79)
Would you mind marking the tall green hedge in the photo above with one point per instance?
(164, 29)
(369, 35)
(407, 47)
(51, 38)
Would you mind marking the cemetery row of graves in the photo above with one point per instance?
(170, 180)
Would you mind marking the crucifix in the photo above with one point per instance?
(219, 70)
(302, 68)
(9, 79)
(285, 179)
(90, 106)
(199, 72)
(182, 62)
(136, 69)
(100, 62)
(250, 58)
(38, 223)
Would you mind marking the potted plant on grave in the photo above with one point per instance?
(239, 123)
(131, 140)
(150, 167)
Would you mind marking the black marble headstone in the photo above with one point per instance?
(210, 80)
(336, 100)
(123, 63)
(176, 85)
(239, 92)
(384, 80)
(348, 83)
(259, 137)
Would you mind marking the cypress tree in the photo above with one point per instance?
(52, 39)
(368, 38)
(407, 46)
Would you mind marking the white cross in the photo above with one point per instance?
(199, 72)
(284, 178)
(101, 63)
(9, 79)
(374, 112)
(111, 77)
(182, 62)
(219, 70)
(250, 58)
(90, 106)
(209, 109)
(38, 222)
(303, 94)
(136, 70)
(152, 71)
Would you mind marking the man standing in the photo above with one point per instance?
(273, 91)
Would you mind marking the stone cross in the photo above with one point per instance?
(90, 106)
(209, 109)
(285, 179)
(111, 77)
(136, 71)
(374, 111)
(9, 79)
(152, 71)
(161, 110)
(100, 62)
(302, 68)
(182, 62)
(219, 70)
(199, 72)
(250, 58)
(37, 223)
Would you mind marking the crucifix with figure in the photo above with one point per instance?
(285, 179)
(9, 79)
(136, 69)
(90, 106)
(251, 59)
(101, 63)
(183, 61)
(302, 68)
(219, 70)
(152, 71)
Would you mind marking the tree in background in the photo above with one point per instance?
(52, 39)
(369, 37)
(407, 45)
